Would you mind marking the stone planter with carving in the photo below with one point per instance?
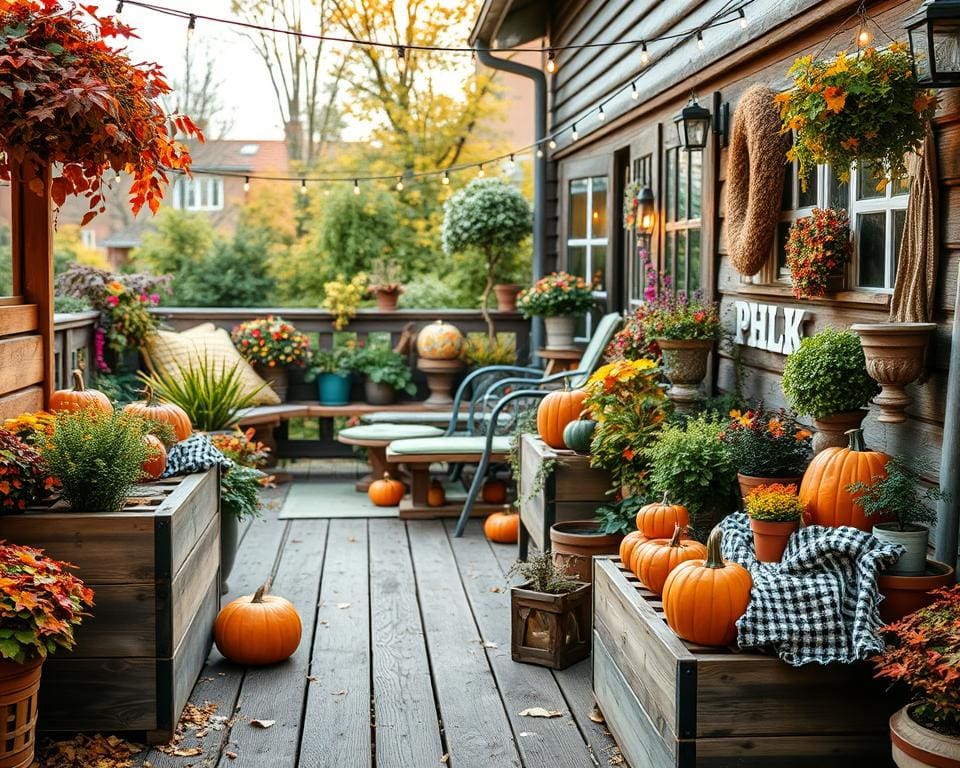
(895, 355)
(685, 363)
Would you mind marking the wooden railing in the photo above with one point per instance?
(73, 339)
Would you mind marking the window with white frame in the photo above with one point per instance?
(201, 193)
(88, 237)
(684, 202)
(587, 238)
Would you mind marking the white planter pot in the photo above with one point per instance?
(559, 332)
(913, 562)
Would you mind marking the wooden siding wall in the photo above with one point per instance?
(777, 33)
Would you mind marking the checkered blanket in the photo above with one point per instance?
(195, 454)
(819, 604)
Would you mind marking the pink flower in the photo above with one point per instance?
(113, 300)
(154, 298)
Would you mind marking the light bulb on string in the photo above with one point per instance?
(191, 26)
(573, 134)
(303, 187)
(551, 62)
(644, 53)
(400, 184)
(511, 164)
(246, 184)
(401, 58)
(539, 151)
(480, 172)
(356, 186)
(552, 143)
(634, 93)
(743, 18)
(601, 116)
(120, 7)
(864, 36)
(445, 180)
(700, 43)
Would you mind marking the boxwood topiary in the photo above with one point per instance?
(827, 374)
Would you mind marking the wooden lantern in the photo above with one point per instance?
(550, 630)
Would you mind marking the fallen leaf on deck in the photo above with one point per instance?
(87, 751)
(351, 540)
(341, 692)
(341, 606)
(187, 752)
(496, 589)
(596, 716)
(488, 644)
(445, 758)
(231, 755)
(311, 679)
(541, 712)
(262, 723)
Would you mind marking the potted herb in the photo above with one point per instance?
(384, 284)
(271, 346)
(332, 369)
(826, 378)
(896, 499)
(685, 328)
(41, 603)
(775, 511)
(549, 615)
(766, 446)
(922, 653)
(818, 248)
(386, 372)
(23, 476)
(559, 298)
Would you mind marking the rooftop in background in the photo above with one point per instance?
(240, 156)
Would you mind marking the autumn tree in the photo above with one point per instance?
(197, 92)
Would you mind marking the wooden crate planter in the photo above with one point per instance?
(672, 704)
(571, 491)
(550, 630)
(155, 569)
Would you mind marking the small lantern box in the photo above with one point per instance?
(550, 630)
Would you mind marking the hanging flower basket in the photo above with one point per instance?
(818, 249)
(866, 108)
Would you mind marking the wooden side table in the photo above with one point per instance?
(560, 360)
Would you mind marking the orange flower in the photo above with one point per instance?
(775, 427)
(924, 101)
(628, 453)
(802, 434)
(852, 143)
(835, 98)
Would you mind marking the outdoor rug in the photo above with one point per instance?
(334, 498)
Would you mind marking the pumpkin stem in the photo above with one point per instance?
(148, 394)
(714, 553)
(855, 437)
(664, 501)
(78, 380)
(262, 590)
(675, 539)
(386, 476)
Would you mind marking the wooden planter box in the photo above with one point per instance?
(670, 703)
(563, 622)
(155, 569)
(571, 491)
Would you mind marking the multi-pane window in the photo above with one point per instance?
(587, 237)
(641, 171)
(684, 201)
(198, 194)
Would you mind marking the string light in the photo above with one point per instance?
(743, 18)
(573, 134)
(480, 172)
(539, 151)
(246, 184)
(401, 58)
(303, 187)
(356, 186)
(700, 44)
(511, 164)
(445, 180)
(644, 54)
(191, 25)
(551, 62)
(400, 184)
(600, 114)
(120, 7)
(634, 93)
(552, 143)
(864, 36)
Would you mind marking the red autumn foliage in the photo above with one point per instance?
(69, 98)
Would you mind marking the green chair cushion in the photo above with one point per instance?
(427, 446)
(410, 417)
(389, 431)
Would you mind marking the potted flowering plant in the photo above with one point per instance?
(342, 297)
(631, 342)
(41, 603)
(775, 511)
(560, 298)
(272, 345)
(385, 284)
(818, 248)
(685, 328)
(23, 476)
(923, 653)
(866, 109)
(766, 446)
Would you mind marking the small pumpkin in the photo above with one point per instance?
(386, 492)
(502, 527)
(657, 520)
(79, 398)
(257, 629)
(823, 491)
(578, 434)
(655, 560)
(557, 410)
(703, 599)
(157, 460)
(436, 495)
(630, 542)
(153, 409)
(494, 492)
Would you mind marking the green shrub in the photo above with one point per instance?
(827, 374)
(240, 491)
(382, 365)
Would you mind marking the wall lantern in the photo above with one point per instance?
(693, 126)
(935, 43)
(646, 214)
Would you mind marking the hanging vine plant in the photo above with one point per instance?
(866, 108)
(69, 98)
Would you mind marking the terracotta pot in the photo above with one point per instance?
(559, 332)
(831, 430)
(276, 378)
(685, 363)
(749, 482)
(913, 562)
(915, 746)
(895, 355)
(507, 296)
(906, 594)
(770, 538)
(387, 300)
(19, 684)
(575, 542)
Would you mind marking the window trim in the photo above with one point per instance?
(183, 186)
(590, 241)
(671, 226)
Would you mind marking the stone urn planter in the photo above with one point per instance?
(906, 594)
(685, 363)
(506, 294)
(575, 542)
(895, 354)
(915, 746)
(832, 430)
(559, 332)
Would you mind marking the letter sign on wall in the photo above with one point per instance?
(769, 327)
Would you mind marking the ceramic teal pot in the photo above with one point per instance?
(333, 389)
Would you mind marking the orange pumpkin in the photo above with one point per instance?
(152, 409)
(557, 410)
(386, 492)
(823, 491)
(657, 520)
(502, 527)
(436, 495)
(157, 460)
(654, 561)
(494, 492)
(79, 398)
(630, 542)
(257, 629)
(702, 599)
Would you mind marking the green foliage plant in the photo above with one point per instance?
(774, 503)
(827, 374)
(96, 457)
(339, 360)
(542, 574)
(240, 491)
(620, 515)
(765, 442)
(899, 494)
(382, 365)
(479, 350)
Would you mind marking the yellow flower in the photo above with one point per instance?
(838, 66)
(115, 287)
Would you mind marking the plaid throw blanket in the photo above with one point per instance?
(819, 604)
(195, 454)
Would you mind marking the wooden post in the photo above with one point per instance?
(32, 248)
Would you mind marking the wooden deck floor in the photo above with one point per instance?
(405, 660)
